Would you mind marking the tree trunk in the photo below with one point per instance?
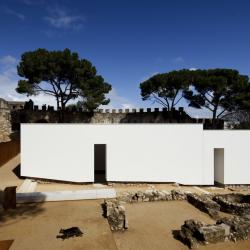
(62, 111)
(214, 118)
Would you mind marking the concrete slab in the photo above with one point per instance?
(87, 194)
(27, 186)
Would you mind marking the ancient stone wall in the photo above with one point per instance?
(47, 114)
(5, 124)
(100, 116)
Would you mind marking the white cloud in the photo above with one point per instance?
(9, 80)
(193, 69)
(198, 113)
(61, 19)
(117, 101)
(178, 59)
(8, 60)
(18, 15)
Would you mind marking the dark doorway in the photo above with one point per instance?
(219, 165)
(100, 162)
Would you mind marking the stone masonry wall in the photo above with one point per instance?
(5, 124)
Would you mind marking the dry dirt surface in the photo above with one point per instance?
(35, 226)
(151, 225)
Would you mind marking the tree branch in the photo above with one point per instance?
(160, 101)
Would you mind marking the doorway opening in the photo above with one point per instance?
(219, 165)
(100, 163)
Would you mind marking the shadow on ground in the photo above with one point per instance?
(22, 211)
(17, 172)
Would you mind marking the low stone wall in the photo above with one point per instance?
(193, 233)
(152, 195)
(239, 227)
(5, 125)
(234, 203)
(205, 204)
(116, 215)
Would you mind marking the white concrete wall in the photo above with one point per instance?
(135, 152)
(236, 144)
(56, 152)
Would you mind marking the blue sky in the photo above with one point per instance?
(127, 41)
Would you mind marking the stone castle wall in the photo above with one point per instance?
(5, 124)
(100, 116)
(11, 118)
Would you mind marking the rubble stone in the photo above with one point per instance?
(5, 125)
(152, 195)
(205, 204)
(194, 233)
(239, 227)
(116, 215)
(238, 204)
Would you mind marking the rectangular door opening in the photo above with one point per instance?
(100, 163)
(219, 165)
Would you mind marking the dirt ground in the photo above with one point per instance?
(151, 225)
(35, 226)
(7, 173)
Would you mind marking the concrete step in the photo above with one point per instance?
(87, 194)
(27, 186)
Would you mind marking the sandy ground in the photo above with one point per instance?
(7, 176)
(35, 226)
(151, 225)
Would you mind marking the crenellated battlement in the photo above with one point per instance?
(19, 112)
(126, 111)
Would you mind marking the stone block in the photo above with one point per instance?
(116, 215)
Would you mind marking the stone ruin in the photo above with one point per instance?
(115, 214)
(238, 204)
(5, 124)
(152, 195)
(234, 228)
(205, 204)
(194, 233)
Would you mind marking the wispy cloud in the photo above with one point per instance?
(8, 60)
(193, 69)
(143, 79)
(178, 59)
(31, 2)
(117, 101)
(12, 12)
(61, 19)
(9, 80)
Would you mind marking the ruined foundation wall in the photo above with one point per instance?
(5, 124)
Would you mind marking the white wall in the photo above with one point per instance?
(236, 144)
(135, 152)
(56, 152)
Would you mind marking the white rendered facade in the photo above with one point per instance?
(182, 153)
